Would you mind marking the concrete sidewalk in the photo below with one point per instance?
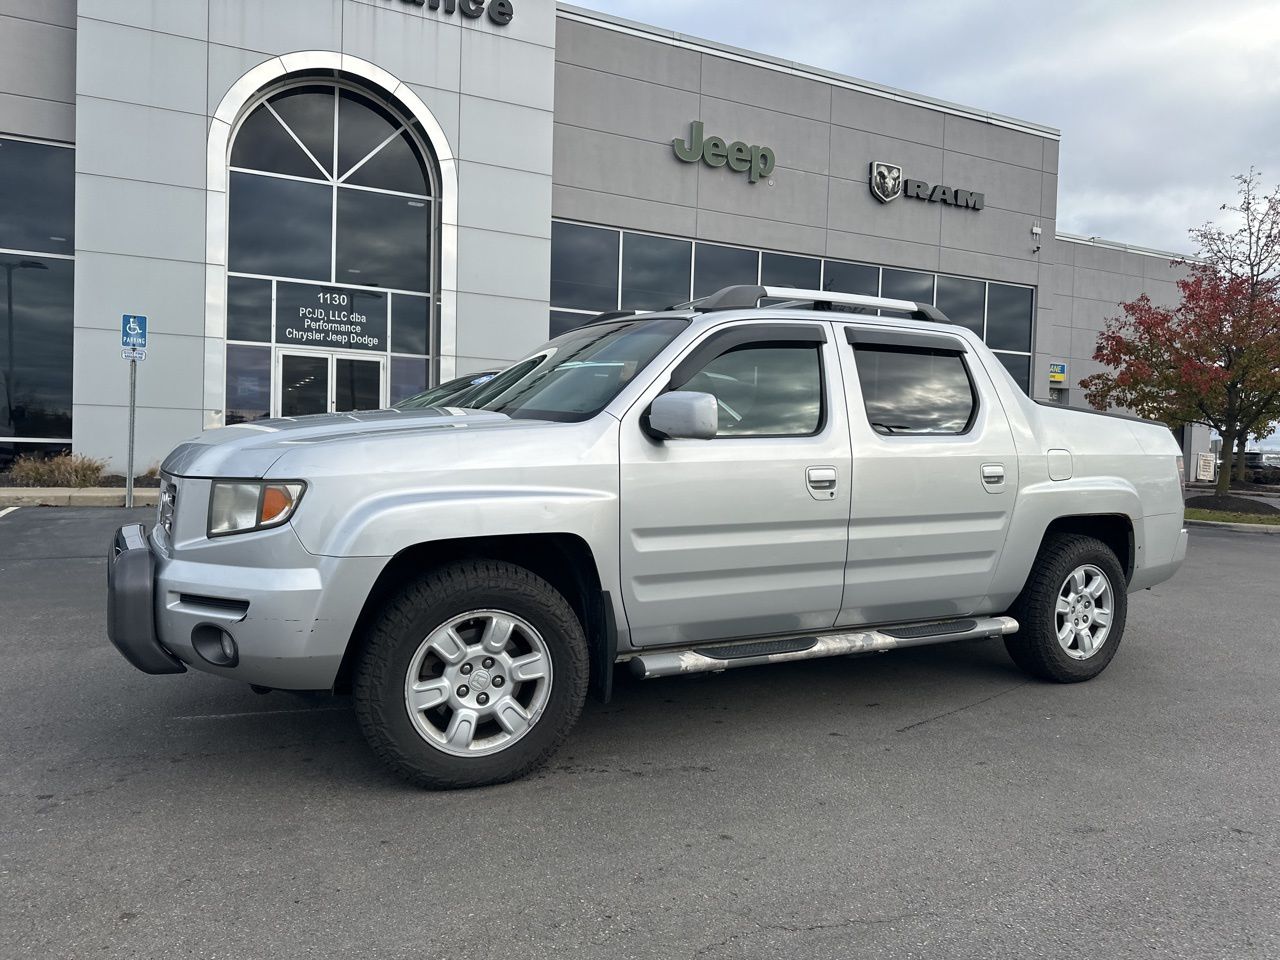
(75, 496)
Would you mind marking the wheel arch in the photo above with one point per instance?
(1113, 529)
(564, 560)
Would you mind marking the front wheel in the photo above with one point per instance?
(473, 675)
(1071, 613)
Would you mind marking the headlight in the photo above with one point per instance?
(241, 506)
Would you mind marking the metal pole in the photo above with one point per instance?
(133, 396)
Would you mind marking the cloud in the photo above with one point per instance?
(1160, 102)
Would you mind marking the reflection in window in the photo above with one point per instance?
(764, 390)
(409, 376)
(263, 143)
(907, 285)
(308, 112)
(410, 324)
(779, 270)
(913, 391)
(718, 267)
(962, 301)
(1019, 367)
(280, 227)
(1009, 317)
(383, 241)
(655, 271)
(249, 309)
(35, 346)
(37, 197)
(562, 321)
(248, 383)
(584, 267)
(363, 125)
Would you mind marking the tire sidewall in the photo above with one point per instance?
(520, 593)
(1046, 625)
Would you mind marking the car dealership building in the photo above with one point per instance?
(332, 204)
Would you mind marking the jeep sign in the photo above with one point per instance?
(754, 161)
(887, 184)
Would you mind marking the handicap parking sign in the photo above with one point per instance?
(133, 331)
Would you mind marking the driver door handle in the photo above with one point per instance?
(822, 482)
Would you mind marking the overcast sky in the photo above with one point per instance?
(1159, 101)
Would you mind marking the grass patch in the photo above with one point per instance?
(1222, 516)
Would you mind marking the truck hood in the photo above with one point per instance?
(249, 449)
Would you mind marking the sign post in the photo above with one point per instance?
(133, 340)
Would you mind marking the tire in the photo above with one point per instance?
(466, 730)
(1036, 647)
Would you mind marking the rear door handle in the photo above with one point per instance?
(822, 482)
(993, 474)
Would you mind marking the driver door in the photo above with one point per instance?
(744, 534)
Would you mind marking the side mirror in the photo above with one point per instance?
(684, 415)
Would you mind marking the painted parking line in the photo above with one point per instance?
(6, 511)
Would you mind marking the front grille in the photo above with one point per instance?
(167, 505)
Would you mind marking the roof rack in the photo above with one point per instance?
(748, 297)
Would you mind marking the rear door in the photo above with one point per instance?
(935, 476)
(744, 534)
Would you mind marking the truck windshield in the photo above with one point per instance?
(576, 375)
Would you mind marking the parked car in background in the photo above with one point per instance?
(695, 490)
(445, 393)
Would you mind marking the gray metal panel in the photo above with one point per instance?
(514, 73)
(625, 106)
(852, 152)
(612, 52)
(608, 163)
(995, 142)
(990, 230)
(161, 146)
(800, 143)
(32, 117)
(1006, 186)
(186, 18)
(164, 378)
(572, 203)
(446, 107)
(505, 134)
(226, 66)
(1048, 199)
(171, 292)
(37, 60)
(767, 234)
(281, 26)
(413, 48)
(497, 198)
(60, 13)
(796, 96)
(503, 264)
(98, 430)
(163, 70)
(891, 118)
(875, 249)
(968, 263)
(853, 208)
(509, 330)
(789, 196)
(141, 219)
(1106, 286)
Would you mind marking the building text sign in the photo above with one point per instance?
(1058, 374)
(500, 12)
(330, 318)
(888, 184)
(755, 161)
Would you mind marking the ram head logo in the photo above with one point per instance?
(886, 181)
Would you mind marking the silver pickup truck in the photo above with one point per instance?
(724, 485)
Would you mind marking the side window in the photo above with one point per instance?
(765, 389)
(915, 390)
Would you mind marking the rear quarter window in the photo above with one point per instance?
(915, 391)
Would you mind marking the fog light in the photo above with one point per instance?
(215, 645)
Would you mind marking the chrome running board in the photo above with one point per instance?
(714, 657)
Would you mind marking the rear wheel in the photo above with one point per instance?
(473, 675)
(1071, 613)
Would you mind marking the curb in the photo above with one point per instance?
(1235, 527)
(74, 497)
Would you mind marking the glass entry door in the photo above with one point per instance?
(308, 383)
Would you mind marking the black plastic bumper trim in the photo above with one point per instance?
(131, 612)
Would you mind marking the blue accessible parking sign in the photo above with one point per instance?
(133, 331)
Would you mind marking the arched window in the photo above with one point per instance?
(331, 254)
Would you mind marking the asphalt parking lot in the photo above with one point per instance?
(927, 803)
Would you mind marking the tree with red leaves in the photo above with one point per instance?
(1214, 358)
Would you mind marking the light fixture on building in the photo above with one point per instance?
(1035, 236)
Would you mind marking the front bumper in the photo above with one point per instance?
(131, 613)
(289, 614)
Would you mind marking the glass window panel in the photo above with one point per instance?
(263, 144)
(856, 278)
(779, 270)
(584, 267)
(248, 309)
(764, 390)
(1009, 317)
(410, 324)
(308, 112)
(304, 385)
(914, 391)
(397, 166)
(1020, 367)
(37, 197)
(962, 301)
(907, 285)
(35, 346)
(409, 376)
(383, 241)
(357, 384)
(362, 126)
(655, 271)
(248, 383)
(279, 227)
(718, 267)
(331, 318)
(562, 322)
